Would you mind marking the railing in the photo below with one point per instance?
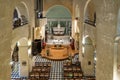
(59, 19)
(17, 24)
(93, 23)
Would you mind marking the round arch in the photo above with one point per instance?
(23, 13)
(23, 9)
(16, 13)
(26, 8)
(20, 15)
(116, 63)
(85, 8)
(23, 56)
(89, 10)
(87, 40)
(116, 60)
(58, 11)
(21, 42)
(87, 63)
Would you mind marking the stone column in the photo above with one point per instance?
(118, 61)
(23, 59)
(30, 63)
(106, 22)
(116, 65)
(115, 61)
(5, 68)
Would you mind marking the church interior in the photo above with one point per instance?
(60, 39)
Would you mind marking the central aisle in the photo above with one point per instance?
(56, 69)
(56, 72)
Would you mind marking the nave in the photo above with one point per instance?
(57, 70)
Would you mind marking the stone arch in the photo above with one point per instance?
(85, 9)
(22, 55)
(21, 42)
(60, 15)
(48, 4)
(87, 63)
(23, 9)
(65, 11)
(16, 12)
(89, 18)
(116, 63)
(86, 41)
(23, 15)
(26, 9)
(89, 10)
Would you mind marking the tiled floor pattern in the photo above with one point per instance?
(56, 72)
(56, 69)
(15, 71)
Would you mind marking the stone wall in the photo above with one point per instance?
(91, 32)
(6, 29)
(106, 29)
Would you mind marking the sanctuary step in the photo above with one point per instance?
(57, 52)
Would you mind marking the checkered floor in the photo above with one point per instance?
(15, 71)
(56, 72)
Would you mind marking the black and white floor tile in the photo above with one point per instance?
(56, 72)
(15, 71)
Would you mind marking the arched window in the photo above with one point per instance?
(15, 14)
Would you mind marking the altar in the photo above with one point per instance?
(63, 40)
(58, 30)
(57, 44)
(56, 52)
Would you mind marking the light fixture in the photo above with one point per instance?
(95, 59)
(18, 43)
(29, 51)
(58, 26)
(83, 49)
(29, 42)
(83, 40)
(11, 62)
(75, 26)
